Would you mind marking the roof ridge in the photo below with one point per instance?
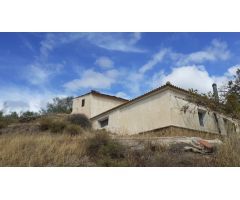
(99, 93)
(168, 84)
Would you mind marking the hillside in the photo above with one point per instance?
(56, 141)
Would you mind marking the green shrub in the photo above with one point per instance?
(28, 116)
(9, 118)
(45, 124)
(102, 146)
(80, 119)
(73, 129)
(3, 124)
(57, 126)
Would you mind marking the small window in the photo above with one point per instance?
(103, 122)
(83, 102)
(201, 115)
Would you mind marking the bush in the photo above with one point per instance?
(3, 124)
(80, 119)
(8, 119)
(73, 129)
(57, 126)
(103, 146)
(45, 124)
(28, 116)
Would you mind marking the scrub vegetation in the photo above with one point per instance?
(55, 141)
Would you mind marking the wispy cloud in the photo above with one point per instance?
(218, 50)
(104, 62)
(110, 41)
(116, 41)
(184, 67)
(42, 73)
(156, 58)
(27, 44)
(92, 79)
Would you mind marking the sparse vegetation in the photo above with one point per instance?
(102, 145)
(3, 124)
(228, 154)
(28, 116)
(20, 147)
(42, 150)
(57, 126)
(73, 129)
(45, 124)
(80, 119)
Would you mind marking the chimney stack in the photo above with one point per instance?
(215, 92)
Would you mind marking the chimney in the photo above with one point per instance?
(215, 92)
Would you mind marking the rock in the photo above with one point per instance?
(193, 144)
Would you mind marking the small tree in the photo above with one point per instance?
(28, 114)
(1, 114)
(233, 86)
(59, 105)
(13, 115)
(232, 96)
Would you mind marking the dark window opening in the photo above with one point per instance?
(229, 126)
(201, 115)
(103, 122)
(217, 122)
(83, 102)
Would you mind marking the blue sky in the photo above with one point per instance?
(35, 67)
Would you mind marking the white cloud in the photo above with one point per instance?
(37, 75)
(156, 58)
(16, 98)
(122, 95)
(41, 73)
(104, 62)
(218, 50)
(232, 70)
(110, 41)
(187, 77)
(94, 80)
(115, 41)
(47, 45)
(133, 81)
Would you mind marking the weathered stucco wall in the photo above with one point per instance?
(94, 104)
(162, 109)
(185, 114)
(146, 114)
(86, 109)
(101, 104)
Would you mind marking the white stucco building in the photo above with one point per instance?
(164, 107)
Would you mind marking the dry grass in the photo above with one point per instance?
(27, 145)
(228, 154)
(42, 150)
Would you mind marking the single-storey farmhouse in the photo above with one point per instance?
(166, 106)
